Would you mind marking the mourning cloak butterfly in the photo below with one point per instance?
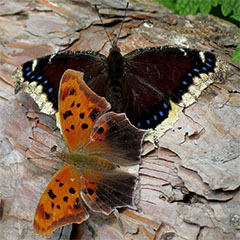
(141, 83)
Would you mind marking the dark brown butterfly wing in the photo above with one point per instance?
(154, 76)
(141, 83)
(105, 191)
(115, 139)
(46, 72)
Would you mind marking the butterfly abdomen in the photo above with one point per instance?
(114, 95)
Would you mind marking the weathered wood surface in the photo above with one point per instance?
(189, 185)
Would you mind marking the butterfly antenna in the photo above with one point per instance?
(103, 24)
(124, 17)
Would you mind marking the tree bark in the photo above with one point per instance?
(189, 184)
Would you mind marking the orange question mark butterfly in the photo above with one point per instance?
(98, 143)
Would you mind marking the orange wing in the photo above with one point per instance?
(79, 108)
(60, 203)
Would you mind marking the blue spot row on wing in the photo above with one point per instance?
(48, 88)
(187, 79)
(205, 67)
(155, 116)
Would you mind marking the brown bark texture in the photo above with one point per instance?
(189, 184)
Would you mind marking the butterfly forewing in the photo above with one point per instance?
(79, 108)
(157, 75)
(47, 72)
(141, 83)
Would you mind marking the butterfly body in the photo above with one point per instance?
(85, 162)
(115, 63)
(98, 142)
(140, 83)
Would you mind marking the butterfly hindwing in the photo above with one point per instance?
(116, 139)
(106, 190)
(79, 108)
(60, 203)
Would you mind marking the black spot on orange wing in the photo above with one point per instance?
(72, 190)
(84, 126)
(100, 130)
(58, 207)
(65, 199)
(72, 105)
(78, 105)
(94, 114)
(52, 204)
(47, 215)
(60, 184)
(72, 91)
(72, 127)
(67, 114)
(90, 191)
(51, 194)
(57, 180)
(67, 130)
(81, 115)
